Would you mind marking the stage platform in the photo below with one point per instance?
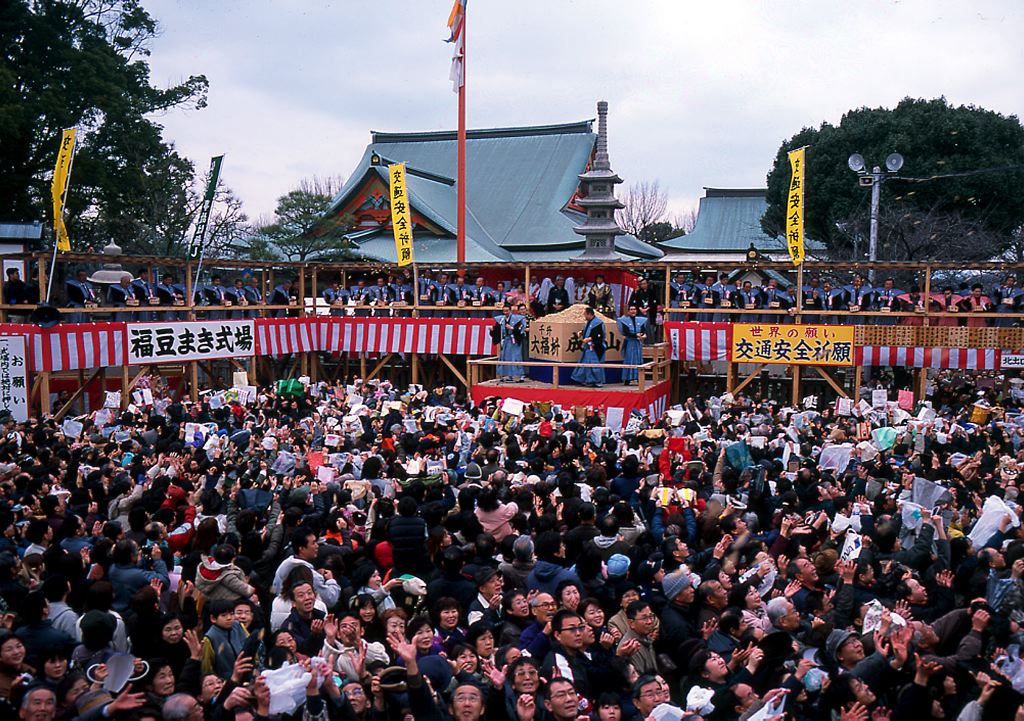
(614, 400)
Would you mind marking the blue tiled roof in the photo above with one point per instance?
(518, 182)
(21, 231)
(729, 219)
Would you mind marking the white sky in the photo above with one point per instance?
(700, 93)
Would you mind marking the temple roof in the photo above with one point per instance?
(519, 183)
(729, 219)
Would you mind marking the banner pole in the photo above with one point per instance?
(60, 221)
(461, 179)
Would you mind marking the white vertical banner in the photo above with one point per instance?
(13, 377)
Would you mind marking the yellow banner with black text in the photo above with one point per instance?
(401, 214)
(812, 345)
(795, 207)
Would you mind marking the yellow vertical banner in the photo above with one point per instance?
(61, 176)
(795, 207)
(401, 214)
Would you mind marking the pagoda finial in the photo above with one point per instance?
(601, 161)
(597, 191)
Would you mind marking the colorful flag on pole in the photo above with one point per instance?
(456, 24)
(195, 247)
(59, 186)
(401, 214)
(795, 207)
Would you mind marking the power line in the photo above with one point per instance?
(961, 174)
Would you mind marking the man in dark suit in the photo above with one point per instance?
(80, 294)
(558, 297)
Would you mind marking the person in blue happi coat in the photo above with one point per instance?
(593, 341)
(634, 332)
(253, 296)
(281, 295)
(80, 293)
(1008, 298)
(145, 292)
(508, 333)
(336, 297)
(119, 296)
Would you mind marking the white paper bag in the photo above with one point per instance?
(879, 398)
(112, 400)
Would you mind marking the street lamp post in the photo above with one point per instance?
(874, 178)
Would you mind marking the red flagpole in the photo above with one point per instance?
(461, 179)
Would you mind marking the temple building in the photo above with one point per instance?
(728, 234)
(541, 193)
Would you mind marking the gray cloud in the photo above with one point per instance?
(701, 94)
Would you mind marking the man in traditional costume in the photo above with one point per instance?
(593, 342)
(633, 328)
(508, 333)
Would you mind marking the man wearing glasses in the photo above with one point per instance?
(566, 659)
(535, 638)
(638, 642)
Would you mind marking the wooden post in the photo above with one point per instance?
(267, 291)
(362, 366)
(526, 281)
(927, 293)
(795, 397)
(189, 295)
(302, 292)
(44, 393)
(856, 383)
(416, 368)
(41, 265)
(415, 295)
(315, 294)
(922, 383)
(730, 375)
(125, 386)
(193, 381)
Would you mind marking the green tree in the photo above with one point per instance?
(964, 167)
(83, 63)
(297, 212)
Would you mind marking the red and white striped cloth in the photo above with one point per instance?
(700, 341)
(78, 346)
(285, 336)
(913, 357)
(456, 336)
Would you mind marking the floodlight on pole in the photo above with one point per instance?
(875, 177)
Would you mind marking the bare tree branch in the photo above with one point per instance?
(646, 204)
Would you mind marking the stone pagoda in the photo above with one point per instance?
(597, 196)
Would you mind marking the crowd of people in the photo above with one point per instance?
(439, 294)
(363, 552)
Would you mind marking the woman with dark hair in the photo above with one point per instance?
(171, 644)
(568, 595)
(421, 635)
(12, 664)
(494, 515)
(446, 614)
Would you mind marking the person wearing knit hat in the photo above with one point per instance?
(678, 618)
(618, 565)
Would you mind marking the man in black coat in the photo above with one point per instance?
(558, 297)
(678, 622)
(408, 535)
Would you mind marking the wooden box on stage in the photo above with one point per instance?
(551, 337)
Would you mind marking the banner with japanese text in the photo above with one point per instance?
(821, 345)
(59, 187)
(401, 214)
(13, 378)
(795, 207)
(186, 341)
